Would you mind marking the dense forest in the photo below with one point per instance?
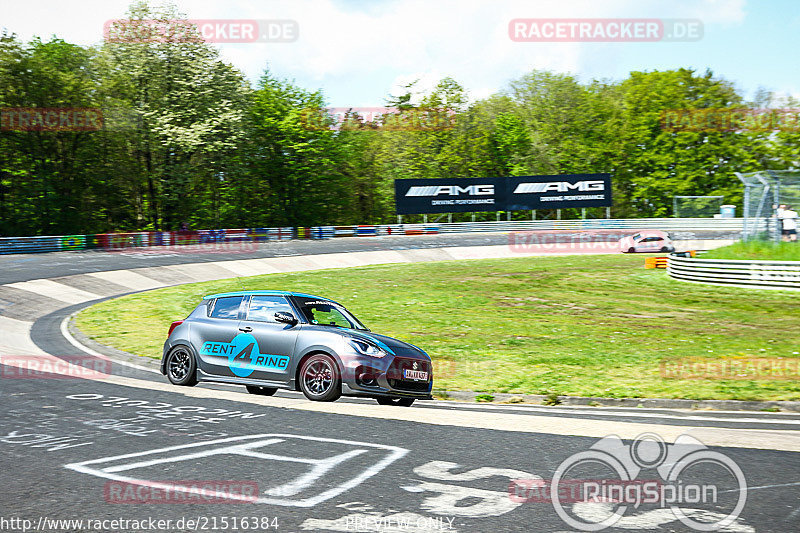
(186, 137)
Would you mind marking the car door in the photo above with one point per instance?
(212, 335)
(270, 358)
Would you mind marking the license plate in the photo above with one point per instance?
(416, 375)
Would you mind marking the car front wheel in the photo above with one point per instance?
(181, 367)
(319, 379)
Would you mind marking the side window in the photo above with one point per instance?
(263, 308)
(227, 307)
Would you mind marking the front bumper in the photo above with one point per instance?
(366, 376)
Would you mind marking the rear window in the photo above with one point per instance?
(200, 310)
(226, 307)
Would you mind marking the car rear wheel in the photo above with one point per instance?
(665, 249)
(319, 379)
(402, 402)
(181, 367)
(263, 391)
(631, 250)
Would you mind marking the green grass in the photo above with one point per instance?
(580, 325)
(757, 250)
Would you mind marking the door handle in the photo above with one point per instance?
(246, 329)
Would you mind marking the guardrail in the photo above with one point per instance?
(752, 274)
(116, 241)
(664, 224)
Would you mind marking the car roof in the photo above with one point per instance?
(652, 233)
(273, 293)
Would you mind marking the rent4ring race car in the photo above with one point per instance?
(270, 340)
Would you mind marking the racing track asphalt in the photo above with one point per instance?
(437, 466)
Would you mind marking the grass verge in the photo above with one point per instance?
(757, 251)
(579, 325)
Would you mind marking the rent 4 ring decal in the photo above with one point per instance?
(244, 355)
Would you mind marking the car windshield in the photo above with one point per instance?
(327, 313)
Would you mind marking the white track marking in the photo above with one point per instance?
(128, 278)
(73, 341)
(56, 291)
(447, 498)
(202, 271)
(592, 512)
(16, 338)
(393, 453)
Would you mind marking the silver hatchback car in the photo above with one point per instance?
(270, 340)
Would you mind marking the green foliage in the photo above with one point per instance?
(187, 138)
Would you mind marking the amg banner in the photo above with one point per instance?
(449, 195)
(516, 193)
(558, 192)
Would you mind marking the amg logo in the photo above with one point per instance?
(559, 186)
(451, 190)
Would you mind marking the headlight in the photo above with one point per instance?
(366, 348)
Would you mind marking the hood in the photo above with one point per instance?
(389, 344)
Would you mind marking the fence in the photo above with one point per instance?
(754, 274)
(121, 241)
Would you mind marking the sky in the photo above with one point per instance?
(358, 52)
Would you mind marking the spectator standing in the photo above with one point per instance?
(788, 217)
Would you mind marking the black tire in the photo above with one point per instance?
(664, 249)
(320, 379)
(181, 367)
(262, 391)
(402, 402)
(631, 250)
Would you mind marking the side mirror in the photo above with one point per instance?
(285, 318)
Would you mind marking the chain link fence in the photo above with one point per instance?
(764, 191)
